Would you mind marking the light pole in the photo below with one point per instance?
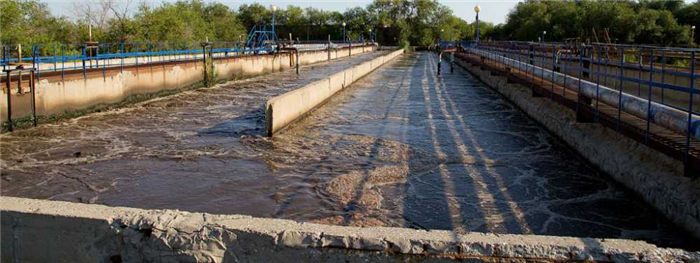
(371, 38)
(692, 35)
(543, 34)
(344, 38)
(273, 8)
(477, 9)
(384, 33)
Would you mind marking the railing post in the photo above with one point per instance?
(639, 75)
(32, 89)
(586, 65)
(651, 86)
(581, 100)
(4, 58)
(204, 63)
(688, 170)
(63, 62)
(663, 73)
(136, 55)
(563, 71)
(554, 70)
(527, 61)
(35, 52)
(9, 101)
(596, 51)
(34, 48)
(104, 64)
(55, 58)
(121, 53)
(297, 61)
(439, 63)
(619, 97)
(83, 59)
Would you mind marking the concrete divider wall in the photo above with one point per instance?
(55, 231)
(284, 109)
(54, 95)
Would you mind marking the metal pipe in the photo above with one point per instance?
(682, 122)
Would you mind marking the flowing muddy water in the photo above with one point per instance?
(402, 147)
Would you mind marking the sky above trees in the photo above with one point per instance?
(395, 22)
(492, 10)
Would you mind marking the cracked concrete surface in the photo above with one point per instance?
(95, 233)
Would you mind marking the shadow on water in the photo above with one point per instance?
(433, 211)
(352, 206)
(488, 178)
(250, 123)
(493, 198)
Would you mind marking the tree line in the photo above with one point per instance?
(392, 22)
(658, 22)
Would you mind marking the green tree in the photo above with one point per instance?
(224, 24)
(690, 16)
(254, 14)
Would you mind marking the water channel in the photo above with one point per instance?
(403, 147)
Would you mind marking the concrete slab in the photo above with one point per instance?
(44, 231)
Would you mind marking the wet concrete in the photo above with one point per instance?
(401, 148)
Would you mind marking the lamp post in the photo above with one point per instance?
(477, 9)
(543, 34)
(273, 8)
(344, 38)
(692, 35)
(371, 37)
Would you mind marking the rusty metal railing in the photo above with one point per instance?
(656, 84)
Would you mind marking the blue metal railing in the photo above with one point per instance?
(69, 57)
(61, 57)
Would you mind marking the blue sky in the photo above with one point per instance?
(491, 10)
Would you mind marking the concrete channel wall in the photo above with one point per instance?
(284, 109)
(54, 231)
(56, 94)
(657, 178)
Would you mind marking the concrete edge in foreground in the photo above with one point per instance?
(42, 231)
